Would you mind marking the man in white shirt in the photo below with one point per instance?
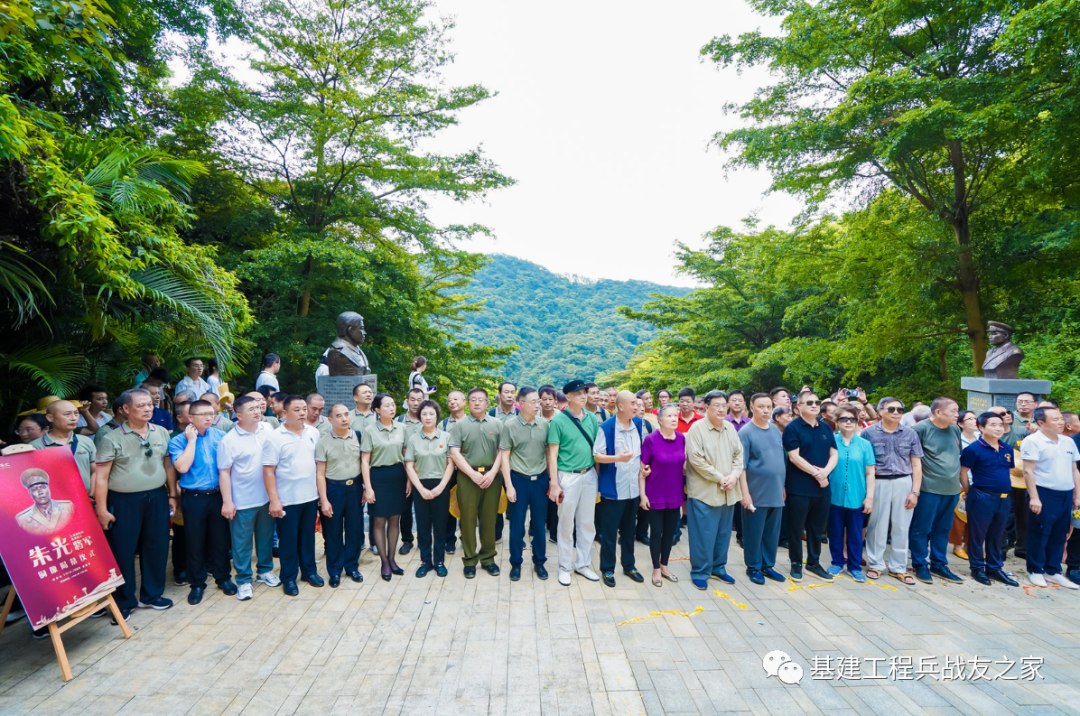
(193, 380)
(617, 452)
(289, 476)
(1053, 486)
(268, 376)
(243, 496)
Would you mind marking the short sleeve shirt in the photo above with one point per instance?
(386, 445)
(1053, 461)
(203, 473)
(269, 379)
(575, 449)
(893, 451)
(941, 458)
(527, 443)
(847, 483)
(428, 453)
(988, 466)
(240, 453)
(411, 426)
(626, 473)
(341, 455)
(132, 469)
(477, 439)
(814, 444)
(360, 421)
(763, 459)
(82, 449)
(198, 386)
(222, 423)
(293, 459)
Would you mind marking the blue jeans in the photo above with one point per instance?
(709, 528)
(1046, 531)
(987, 514)
(531, 497)
(248, 523)
(296, 540)
(931, 521)
(347, 503)
(761, 536)
(846, 522)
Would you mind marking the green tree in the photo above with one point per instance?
(948, 103)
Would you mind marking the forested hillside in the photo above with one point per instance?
(563, 327)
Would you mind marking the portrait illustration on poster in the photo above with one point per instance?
(50, 539)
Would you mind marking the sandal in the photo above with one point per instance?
(873, 574)
(903, 577)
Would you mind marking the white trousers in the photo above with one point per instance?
(577, 511)
(889, 510)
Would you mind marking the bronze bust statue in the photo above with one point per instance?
(345, 356)
(1003, 359)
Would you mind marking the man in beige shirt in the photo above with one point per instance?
(714, 463)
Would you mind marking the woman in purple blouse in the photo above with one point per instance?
(663, 454)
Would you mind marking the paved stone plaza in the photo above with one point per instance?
(454, 646)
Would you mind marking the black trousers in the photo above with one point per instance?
(207, 536)
(642, 531)
(1072, 550)
(1020, 515)
(343, 534)
(663, 524)
(431, 524)
(736, 521)
(617, 523)
(179, 551)
(142, 524)
(406, 523)
(812, 515)
(296, 540)
(451, 521)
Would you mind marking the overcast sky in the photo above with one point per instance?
(604, 116)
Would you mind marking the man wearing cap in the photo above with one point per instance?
(617, 452)
(474, 448)
(898, 456)
(714, 465)
(46, 515)
(136, 493)
(63, 419)
(573, 487)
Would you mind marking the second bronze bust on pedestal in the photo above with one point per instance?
(345, 356)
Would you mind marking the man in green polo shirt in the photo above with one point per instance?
(362, 415)
(474, 448)
(136, 494)
(573, 485)
(63, 419)
(341, 496)
(525, 474)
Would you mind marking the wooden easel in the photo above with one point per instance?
(55, 631)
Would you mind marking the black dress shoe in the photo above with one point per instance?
(492, 569)
(422, 571)
(634, 575)
(515, 572)
(387, 576)
(335, 581)
(290, 588)
(980, 576)
(540, 570)
(314, 580)
(229, 587)
(195, 595)
(394, 569)
(356, 576)
(440, 569)
(405, 548)
(470, 572)
(608, 578)
(1000, 576)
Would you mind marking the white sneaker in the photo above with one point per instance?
(564, 578)
(1037, 579)
(1062, 580)
(588, 573)
(269, 579)
(244, 592)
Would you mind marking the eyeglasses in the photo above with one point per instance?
(893, 409)
(845, 420)
(144, 443)
(811, 403)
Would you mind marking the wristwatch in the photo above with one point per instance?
(915, 492)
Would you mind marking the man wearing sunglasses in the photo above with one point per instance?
(135, 491)
(897, 480)
(812, 456)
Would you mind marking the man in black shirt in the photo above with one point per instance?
(812, 455)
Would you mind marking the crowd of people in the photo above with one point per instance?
(886, 487)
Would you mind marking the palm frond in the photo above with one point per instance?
(53, 367)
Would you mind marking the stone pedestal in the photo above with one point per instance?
(339, 388)
(986, 392)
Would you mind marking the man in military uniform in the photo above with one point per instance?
(46, 515)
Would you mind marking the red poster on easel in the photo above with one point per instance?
(50, 540)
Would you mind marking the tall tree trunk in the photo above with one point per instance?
(968, 282)
(943, 355)
(305, 297)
